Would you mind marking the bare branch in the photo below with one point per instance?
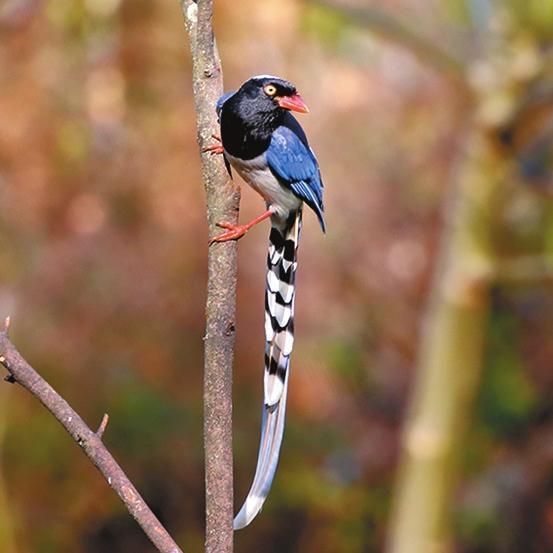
(222, 205)
(21, 372)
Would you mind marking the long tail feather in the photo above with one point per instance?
(279, 336)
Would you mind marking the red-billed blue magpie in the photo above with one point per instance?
(268, 148)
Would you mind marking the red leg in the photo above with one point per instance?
(234, 232)
(214, 148)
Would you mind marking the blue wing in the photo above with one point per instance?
(292, 161)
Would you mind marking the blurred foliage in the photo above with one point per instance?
(102, 267)
(507, 398)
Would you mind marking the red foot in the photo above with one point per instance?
(214, 148)
(234, 232)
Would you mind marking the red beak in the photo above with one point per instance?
(293, 103)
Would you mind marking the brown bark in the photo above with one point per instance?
(222, 205)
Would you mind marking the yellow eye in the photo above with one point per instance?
(270, 89)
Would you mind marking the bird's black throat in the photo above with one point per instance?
(247, 126)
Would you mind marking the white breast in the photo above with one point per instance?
(257, 174)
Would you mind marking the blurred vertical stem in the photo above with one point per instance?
(222, 205)
(451, 347)
(450, 357)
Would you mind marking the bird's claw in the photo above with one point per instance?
(214, 148)
(234, 232)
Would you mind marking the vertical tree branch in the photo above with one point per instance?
(451, 353)
(222, 205)
(450, 358)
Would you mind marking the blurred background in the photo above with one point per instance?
(425, 115)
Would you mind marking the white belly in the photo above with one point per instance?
(257, 174)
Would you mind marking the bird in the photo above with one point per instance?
(263, 142)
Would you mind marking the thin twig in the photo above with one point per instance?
(103, 426)
(222, 205)
(91, 443)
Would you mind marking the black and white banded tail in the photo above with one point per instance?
(279, 336)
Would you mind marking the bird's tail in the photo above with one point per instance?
(279, 336)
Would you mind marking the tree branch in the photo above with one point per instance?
(91, 442)
(389, 28)
(222, 205)
(450, 356)
(453, 337)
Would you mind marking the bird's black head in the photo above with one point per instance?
(254, 111)
(266, 93)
